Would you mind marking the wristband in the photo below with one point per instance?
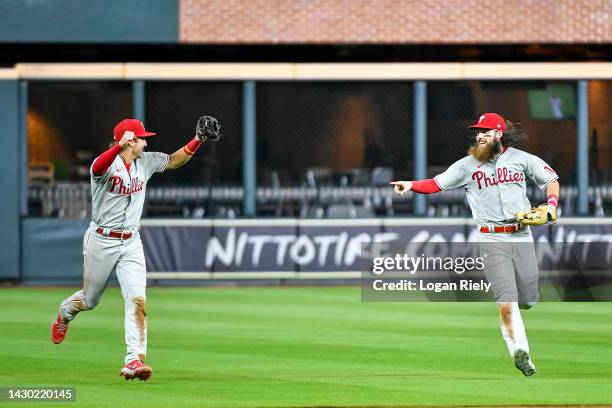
(192, 147)
(553, 200)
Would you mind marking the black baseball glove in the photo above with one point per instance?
(208, 128)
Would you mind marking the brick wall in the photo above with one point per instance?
(395, 21)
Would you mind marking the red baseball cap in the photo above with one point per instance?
(490, 121)
(131, 125)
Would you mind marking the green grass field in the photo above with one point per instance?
(314, 346)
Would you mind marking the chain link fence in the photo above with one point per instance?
(325, 134)
(600, 123)
(324, 148)
(172, 110)
(71, 122)
(546, 111)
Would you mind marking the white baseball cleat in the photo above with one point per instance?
(522, 361)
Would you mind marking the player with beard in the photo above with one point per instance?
(494, 176)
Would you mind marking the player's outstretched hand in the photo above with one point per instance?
(401, 187)
(127, 137)
(208, 127)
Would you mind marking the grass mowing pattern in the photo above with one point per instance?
(313, 346)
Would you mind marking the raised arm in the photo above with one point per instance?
(206, 128)
(103, 161)
(184, 154)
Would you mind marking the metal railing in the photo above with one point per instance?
(73, 200)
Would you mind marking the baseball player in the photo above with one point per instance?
(112, 242)
(494, 175)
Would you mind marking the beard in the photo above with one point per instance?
(484, 153)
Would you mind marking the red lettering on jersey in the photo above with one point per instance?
(116, 181)
(503, 176)
(137, 185)
(479, 176)
(500, 174)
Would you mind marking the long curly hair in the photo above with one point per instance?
(513, 136)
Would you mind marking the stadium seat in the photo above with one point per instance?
(381, 176)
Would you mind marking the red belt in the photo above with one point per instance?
(501, 228)
(115, 234)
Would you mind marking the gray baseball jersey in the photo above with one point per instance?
(117, 201)
(117, 198)
(496, 190)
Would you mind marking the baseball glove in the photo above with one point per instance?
(540, 215)
(208, 127)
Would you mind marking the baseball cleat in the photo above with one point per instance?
(59, 328)
(136, 369)
(522, 361)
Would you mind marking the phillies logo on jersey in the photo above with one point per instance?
(503, 176)
(117, 182)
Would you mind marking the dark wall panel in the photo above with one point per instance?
(53, 249)
(76, 21)
(9, 179)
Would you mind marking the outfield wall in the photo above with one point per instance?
(276, 249)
